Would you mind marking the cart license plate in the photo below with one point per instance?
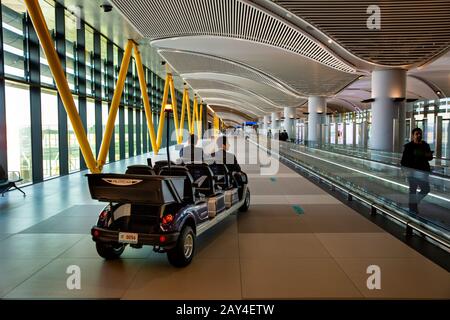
(125, 237)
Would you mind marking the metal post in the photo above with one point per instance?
(110, 93)
(3, 138)
(60, 43)
(98, 94)
(81, 82)
(438, 145)
(33, 68)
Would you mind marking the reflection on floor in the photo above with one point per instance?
(296, 241)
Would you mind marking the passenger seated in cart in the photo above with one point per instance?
(191, 153)
(223, 157)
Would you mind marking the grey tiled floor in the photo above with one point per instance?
(295, 242)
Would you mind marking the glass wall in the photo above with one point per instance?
(18, 130)
(73, 145)
(104, 120)
(20, 51)
(50, 137)
(90, 112)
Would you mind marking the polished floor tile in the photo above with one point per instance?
(365, 245)
(64, 224)
(272, 225)
(295, 279)
(400, 278)
(37, 245)
(204, 279)
(15, 271)
(99, 279)
(276, 246)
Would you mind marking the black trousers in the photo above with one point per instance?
(418, 180)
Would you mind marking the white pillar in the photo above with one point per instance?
(289, 121)
(316, 105)
(275, 122)
(386, 85)
(266, 123)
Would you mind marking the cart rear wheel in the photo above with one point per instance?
(181, 255)
(246, 203)
(109, 251)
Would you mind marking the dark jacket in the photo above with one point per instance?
(226, 158)
(417, 155)
(190, 153)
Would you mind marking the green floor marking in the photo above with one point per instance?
(298, 209)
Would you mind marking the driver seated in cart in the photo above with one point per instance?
(222, 156)
(191, 153)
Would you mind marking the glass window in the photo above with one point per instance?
(104, 120)
(349, 133)
(50, 142)
(103, 51)
(19, 130)
(49, 13)
(90, 112)
(71, 39)
(117, 137)
(12, 28)
(74, 147)
(135, 115)
(89, 38)
(127, 147)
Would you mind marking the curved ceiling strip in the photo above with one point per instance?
(192, 62)
(410, 32)
(259, 88)
(238, 99)
(201, 85)
(238, 105)
(238, 19)
(261, 102)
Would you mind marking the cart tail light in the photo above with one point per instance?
(103, 214)
(96, 233)
(167, 219)
(162, 239)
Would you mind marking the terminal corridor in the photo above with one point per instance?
(296, 241)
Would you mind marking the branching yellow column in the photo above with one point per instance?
(147, 106)
(195, 115)
(162, 114)
(54, 63)
(114, 106)
(199, 124)
(185, 108)
(174, 109)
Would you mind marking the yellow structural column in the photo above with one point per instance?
(114, 105)
(162, 114)
(62, 86)
(216, 125)
(147, 106)
(174, 109)
(199, 123)
(195, 114)
(187, 104)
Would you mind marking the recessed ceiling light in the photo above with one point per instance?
(288, 15)
(438, 92)
(330, 41)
